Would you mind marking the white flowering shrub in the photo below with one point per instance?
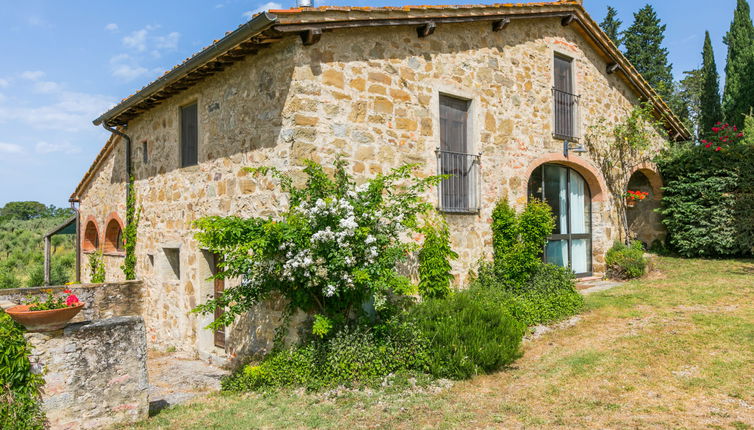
(332, 251)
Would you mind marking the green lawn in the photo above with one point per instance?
(675, 350)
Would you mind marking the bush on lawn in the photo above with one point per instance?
(549, 296)
(469, 333)
(626, 262)
(20, 405)
(351, 357)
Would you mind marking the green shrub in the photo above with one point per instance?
(708, 197)
(96, 268)
(549, 296)
(469, 333)
(352, 356)
(626, 262)
(20, 404)
(434, 261)
(518, 241)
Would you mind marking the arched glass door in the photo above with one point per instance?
(567, 193)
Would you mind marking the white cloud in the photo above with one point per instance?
(4, 83)
(137, 40)
(111, 27)
(46, 87)
(267, 6)
(64, 147)
(126, 68)
(33, 75)
(10, 148)
(168, 42)
(66, 111)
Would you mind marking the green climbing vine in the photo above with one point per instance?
(130, 234)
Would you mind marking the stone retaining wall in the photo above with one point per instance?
(95, 373)
(102, 300)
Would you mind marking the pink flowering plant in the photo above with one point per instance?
(332, 251)
(52, 301)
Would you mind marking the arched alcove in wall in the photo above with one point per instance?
(113, 235)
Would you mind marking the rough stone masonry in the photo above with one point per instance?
(95, 373)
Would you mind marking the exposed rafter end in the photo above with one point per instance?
(500, 24)
(612, 68)
(311, 36)
(426, 29)
(568, 20)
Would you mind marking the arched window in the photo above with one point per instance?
(91, 237)
(569, 196)
(113, 237)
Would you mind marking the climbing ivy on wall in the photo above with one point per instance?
(618, 150)
(129, 235)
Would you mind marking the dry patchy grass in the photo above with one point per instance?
(670, 351)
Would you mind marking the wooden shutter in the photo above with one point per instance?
(563, 78)
(189, 136)
(454, 158)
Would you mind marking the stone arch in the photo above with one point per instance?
(91, 235)
(592, 176)
(654, 178)
(113, 243)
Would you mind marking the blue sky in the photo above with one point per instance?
(64, 63)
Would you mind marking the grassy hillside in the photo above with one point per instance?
(22, 248)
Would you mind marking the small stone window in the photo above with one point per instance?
(144, 152)
(173, 258)
(114, 237)
(91, 237)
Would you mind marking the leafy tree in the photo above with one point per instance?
(688, 97)
(24, 210)
(611, 26)
(710, 110)
(738, 96)
(643, 46)
(434, 260)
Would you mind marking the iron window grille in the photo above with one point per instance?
(566, 115)
(459, 192)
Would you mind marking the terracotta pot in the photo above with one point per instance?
(54, 319)
(630, 203)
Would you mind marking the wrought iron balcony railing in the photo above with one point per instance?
(459, 193)
(566, 115)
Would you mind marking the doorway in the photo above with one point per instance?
(568, 194)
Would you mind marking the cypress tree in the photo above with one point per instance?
(643, 44)
(611, 25)
(709, 98)
(739, 88)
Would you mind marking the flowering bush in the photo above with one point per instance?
(636, 195)
(53, 302)
(332, 251)
(725, 135)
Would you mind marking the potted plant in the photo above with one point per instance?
(634, 196)
(52, 313)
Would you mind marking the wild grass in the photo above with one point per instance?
(673, 350)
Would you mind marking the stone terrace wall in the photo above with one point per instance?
(102, 300)
(95, 373)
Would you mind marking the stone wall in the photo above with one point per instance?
(95, 373)
(102, 300)
(372, 95)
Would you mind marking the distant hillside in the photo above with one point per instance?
(22, 226)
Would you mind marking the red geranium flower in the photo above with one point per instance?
(718, 149)
(67, 291)
(72, 300)
(708, 145)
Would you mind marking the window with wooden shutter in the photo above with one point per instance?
(189, 136)
(565, 121)
(457, 193)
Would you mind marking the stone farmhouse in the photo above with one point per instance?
(493, 94)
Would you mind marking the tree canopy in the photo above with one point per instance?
(611, 25)
(643, 47)
(738, 96)
(709, 92)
